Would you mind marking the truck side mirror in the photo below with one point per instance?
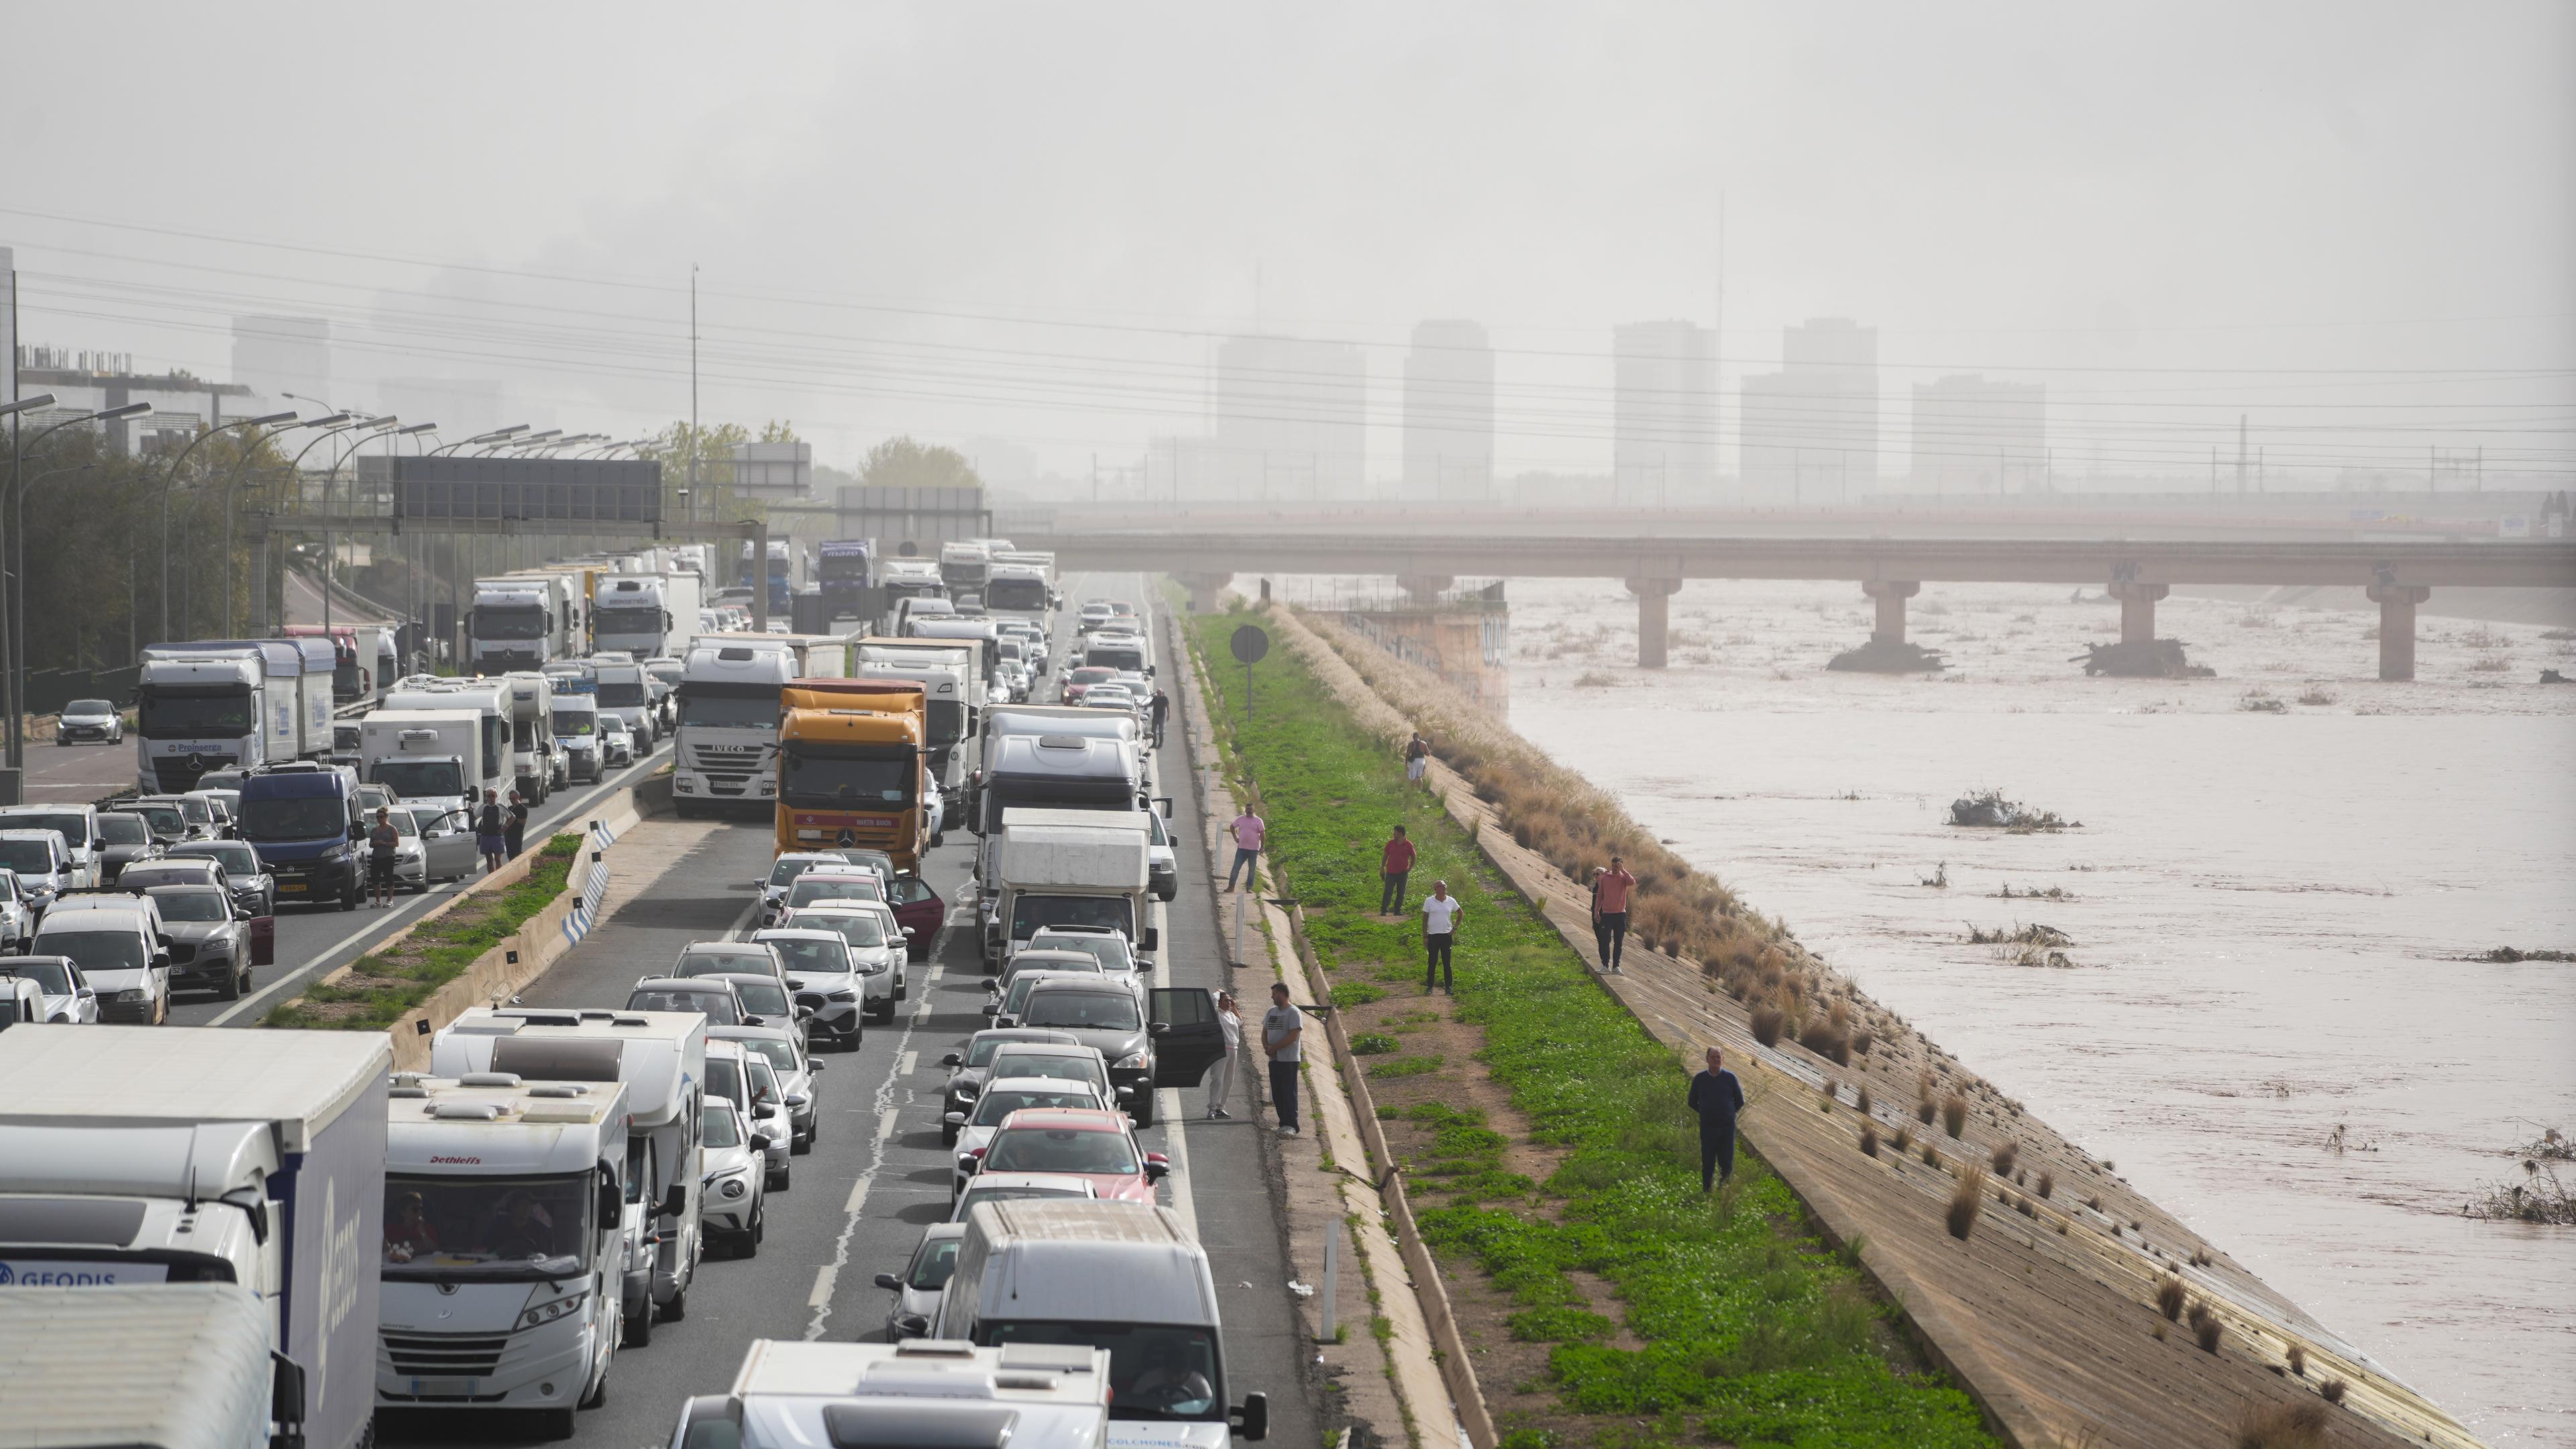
(1252, 1418)
(286, 1401)
(675, 1203)
(612, 1201)
(1152, 937)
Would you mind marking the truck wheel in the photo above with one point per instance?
(677, 1308)
(638, 1330)
(555, 1424)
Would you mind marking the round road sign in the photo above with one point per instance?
(1250, 643)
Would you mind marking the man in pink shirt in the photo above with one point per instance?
(1248, 830)
(1610, 890)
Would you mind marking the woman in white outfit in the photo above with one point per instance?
(1221, 1077)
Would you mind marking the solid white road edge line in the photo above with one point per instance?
(1176, 1146)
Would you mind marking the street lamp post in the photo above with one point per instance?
(233, 480)
(330, 428)
(172, 477)
(371, 428)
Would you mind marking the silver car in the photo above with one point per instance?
(1016, 1186)
(90, 719)
(917, 1288)
(876, 948)
(795, 1071)
(68, 999)
(736, 1075)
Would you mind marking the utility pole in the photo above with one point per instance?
(760, 566)
(2240, 455)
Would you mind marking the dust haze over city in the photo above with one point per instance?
(2043, 535)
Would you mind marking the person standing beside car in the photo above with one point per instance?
(490, 832)
(382, 842)
(514, 828)
(1229, 1021)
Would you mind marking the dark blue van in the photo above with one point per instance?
(303, 819)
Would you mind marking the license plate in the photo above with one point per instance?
(442, 1388)
(291, 887)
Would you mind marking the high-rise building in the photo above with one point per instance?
(1291, 420)
(1449, 414)
(1664, 448)
(1975, 436)
(275, 356)
(1811, 429)
(462, 407)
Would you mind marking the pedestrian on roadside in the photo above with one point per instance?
(1248, 830)
(382, 841)
(1229, 1022)
(1417, 758)
(1394, 863)
(1610, 891)
(514, 831)
(1440, 913)
(1161, 706)
(1282, 1028)
(1716, 1096)
(489, 836)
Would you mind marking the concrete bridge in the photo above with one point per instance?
(2399, 574)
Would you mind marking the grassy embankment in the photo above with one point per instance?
(1746, 1329)
(381, 987)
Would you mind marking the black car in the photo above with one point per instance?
(124, 838)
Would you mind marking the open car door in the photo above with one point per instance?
(447, 847)
(1194, 1040)
(263, 940)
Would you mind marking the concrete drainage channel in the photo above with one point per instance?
(507, 969)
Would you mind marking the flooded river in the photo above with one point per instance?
(2277, 875)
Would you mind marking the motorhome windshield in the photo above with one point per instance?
(728, 706)
(294, 817)
(1156, 1371)
(487, 1229)
(816, 774)
(182, 711)
(413, 778)
(517, 620)
(1029, 595)
(1065, 792)
(1030, 912)
(575, 722)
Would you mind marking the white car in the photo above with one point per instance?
(90, 719)
(616, 742)
(1001, 1097)
(783, 873)
(876, 948)
(120, 950)
(67, 997)
(733, 1201)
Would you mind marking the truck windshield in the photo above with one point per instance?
(1029, 595)
(947, 722)
(1030, 912)
(628, 619)
(510, 621)
(181, 712)
(294, 817)
(488, 1228)
(95, 951)
(413, 779)
(576, 722)
(815, 774)
(701, 709)
(1156, 1371)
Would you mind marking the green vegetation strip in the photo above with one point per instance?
(1752, 1331)
(381, 988)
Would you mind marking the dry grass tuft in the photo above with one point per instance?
(2205, 1328)
(2047, 1184)
(2282, 1426)
(2331, 1391)
(1829, 1094)
(1862, 1040)
(1931, 1156)
(1902, 1142)
(2169, 1299)
(1924, 1111)
(1954, 1114)
(2200, 1258)
(1868, 1140)
(2298, 1357)
(1971, 1194)
(1820, 1036)
(1860, 1099)
(1766, 1022)
(2094, 1202)
(2005, 1154)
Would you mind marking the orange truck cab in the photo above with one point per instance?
(850, 762)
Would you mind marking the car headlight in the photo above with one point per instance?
(133, 993)
(841, 994)
(1135, 1062)
(549, 1312)
(871, 968)
(733, 1186)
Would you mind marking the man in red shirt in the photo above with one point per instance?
(1610, 890)
(1394, 864)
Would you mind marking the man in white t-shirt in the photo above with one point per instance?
(1440, 913)
(1229, 1023)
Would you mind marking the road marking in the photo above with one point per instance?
(931, 977)
(921, 1012)
(886, 1104)
(821, 1297)
(1176, 1146)
(907, 1063)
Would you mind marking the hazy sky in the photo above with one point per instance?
(1027, 223)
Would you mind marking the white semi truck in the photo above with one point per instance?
(726, 752)
(520, 621)
(661, 1058)
(134, 1156)
(631, 614)
(504, 1250)
(291, 698)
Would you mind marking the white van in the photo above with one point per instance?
(1105, 1275)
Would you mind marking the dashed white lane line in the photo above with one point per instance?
(1176, 1146)
(886, 1121)
(888, 1101)
(824, 1277)
(905, 1064)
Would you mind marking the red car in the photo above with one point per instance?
(1078, 1142)
(1079, 682)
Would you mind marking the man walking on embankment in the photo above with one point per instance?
(1716, 1096)
(1610, 891)
(1440, 913)
(1417, 758)
(1394, 863)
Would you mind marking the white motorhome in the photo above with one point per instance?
(661, 1057)
(488, 700)
(520, 621)
(793, 1395)
(212, 1384)
(143, 1155)
(1073, 868)
(1074, 1272)
(432, 758)
(504, 1255)
(534, 761)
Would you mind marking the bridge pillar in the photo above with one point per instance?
(2397, 628)
(1654, 619)
(2138, 610)
(1205, 590)
(1425, 587)
(1891, 595)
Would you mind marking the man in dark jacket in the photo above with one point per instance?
(514, 825)
(1716, 1096)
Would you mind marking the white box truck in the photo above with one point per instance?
(1052, 872)
(151, 1155)
(430, 757)
(489, 701)
(661, 1057)
(218, 710)
(791, 1395)
(206, 1379)
(1105, 1274)
(505, 1244)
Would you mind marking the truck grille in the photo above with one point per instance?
(176, 776)
(444, 1355)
